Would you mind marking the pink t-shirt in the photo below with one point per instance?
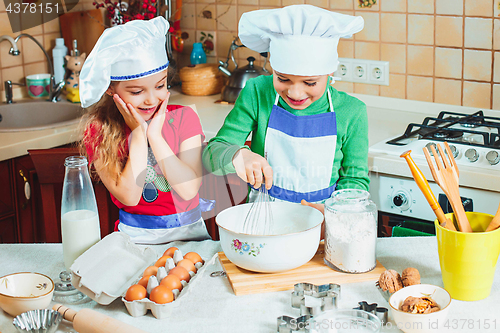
(181, 123)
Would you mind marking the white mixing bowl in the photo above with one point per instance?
(294, 241)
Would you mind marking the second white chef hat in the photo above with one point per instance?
(301, 39)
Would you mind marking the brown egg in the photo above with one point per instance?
(144, 281)
(172, 282)
(181, 273)
(135, 292)
(170, 251)
(193, 257)
(161, 262)
(151, 270)
(161, 295)
(187, 264)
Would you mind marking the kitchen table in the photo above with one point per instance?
(211, 305)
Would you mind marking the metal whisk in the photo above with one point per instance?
(259, 219)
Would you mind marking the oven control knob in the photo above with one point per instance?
(493, 157)
(401, 201)
(454, 151)
(472, 154)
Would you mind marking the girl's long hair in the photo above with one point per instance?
(108, 137)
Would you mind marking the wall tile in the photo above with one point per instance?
(36, 68)
(496, 11)
(420, 60)
(448, 91)
(393, 28)
(396, 55)
(224, 40)
(421, 7)
(448, 63)
(273, 3)
(366, 89)
(203, 23)
(366, 50)
(496, 97)
(419, 88)
(318, 3)
(477, 65)
(291, 2)
(347, 87)
(33, 25)
(420, 29)
(374, 8)
(341, 4)
(479, 8)
(227, 18)
(5, 28)
(450, 7)
(15, 74)
(393, 6)
(449, 31)
(396, 87)
(49, 42)
(345, 49)
(244, 9)
(477, 94)
(8, 60)
(188, 16)
(372, 27)
(2, 8)
(51, 26)
(245, 2)
(32, 52)
(496, 68)
(478, 33)
(496, 34)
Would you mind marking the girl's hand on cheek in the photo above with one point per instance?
(129, 113)
(156, 124)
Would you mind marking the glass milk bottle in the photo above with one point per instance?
(79, 217)
(350, 231)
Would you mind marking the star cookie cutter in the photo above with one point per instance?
(313, 299)
(290, 324)
(380, 312)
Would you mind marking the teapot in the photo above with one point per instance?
(239, 76)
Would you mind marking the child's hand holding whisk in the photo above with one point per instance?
(253, 168)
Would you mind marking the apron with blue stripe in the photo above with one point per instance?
(301, 151)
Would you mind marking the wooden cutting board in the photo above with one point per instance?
(85, 26)
(315, 271)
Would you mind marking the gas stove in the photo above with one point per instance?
(474, 140)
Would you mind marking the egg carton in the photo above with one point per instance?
(140, 308)
(106, 270)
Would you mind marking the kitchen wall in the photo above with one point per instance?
(445, 51)
(31, 60)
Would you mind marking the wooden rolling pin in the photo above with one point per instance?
(426, 190)
(90, 321)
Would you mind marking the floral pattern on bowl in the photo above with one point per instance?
(246, 248)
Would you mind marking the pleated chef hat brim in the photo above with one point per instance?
(125, 52)
(301, 39)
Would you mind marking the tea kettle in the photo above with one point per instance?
(239, 76)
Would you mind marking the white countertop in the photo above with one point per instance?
(211, 305)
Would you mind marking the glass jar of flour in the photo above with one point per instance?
(350, 231)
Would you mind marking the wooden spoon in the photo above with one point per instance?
(495, 223)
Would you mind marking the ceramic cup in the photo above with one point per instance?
(468, 260)
(38, 85)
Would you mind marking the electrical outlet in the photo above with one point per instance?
(363, 71)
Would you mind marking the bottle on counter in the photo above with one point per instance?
(350, 231)
(58, 54)
(198, 56)
(80, 226)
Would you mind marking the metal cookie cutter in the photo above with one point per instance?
(313, 300)
(289, 324)
(380, 312)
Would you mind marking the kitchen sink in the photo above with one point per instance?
(38, 115)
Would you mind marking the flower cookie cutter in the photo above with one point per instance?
(314, 299)
(380, 312)
(290, 324)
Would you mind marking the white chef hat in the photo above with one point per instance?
(302, 39)
(125, 52)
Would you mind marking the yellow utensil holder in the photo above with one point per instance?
(468, 260)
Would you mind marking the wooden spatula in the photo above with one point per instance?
(495, 223)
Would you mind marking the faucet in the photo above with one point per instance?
(55, 88)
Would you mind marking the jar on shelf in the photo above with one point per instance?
(350, 231)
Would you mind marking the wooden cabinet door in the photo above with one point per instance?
(8, 229)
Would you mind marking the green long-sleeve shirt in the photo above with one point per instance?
(251, 115)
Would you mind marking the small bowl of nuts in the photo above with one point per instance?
(390, 281)
(420, 308)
